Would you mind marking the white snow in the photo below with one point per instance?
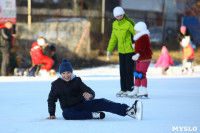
(173, 104)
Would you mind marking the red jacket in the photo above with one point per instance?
(143, 47)
(188, 52)
(36, 54)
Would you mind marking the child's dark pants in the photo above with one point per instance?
(85, 109)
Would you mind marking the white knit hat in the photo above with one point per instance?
(41, 41)
(117, 11)
(140, 26)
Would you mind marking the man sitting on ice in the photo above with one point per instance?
(77, 99)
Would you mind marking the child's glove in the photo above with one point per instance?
(108, 55)
(136, 56)
(133, 45)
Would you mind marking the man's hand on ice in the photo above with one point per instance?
(51, 117)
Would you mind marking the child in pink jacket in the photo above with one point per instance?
(164, 60)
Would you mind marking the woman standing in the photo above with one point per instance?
(122, 33)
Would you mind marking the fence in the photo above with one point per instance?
(67, 30)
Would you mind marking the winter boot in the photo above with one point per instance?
(136, 111)
(120, 93)
(134, 92)
(143, 92)
(98, 115)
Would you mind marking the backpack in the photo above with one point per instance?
(193, 45)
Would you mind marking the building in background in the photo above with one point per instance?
(163, 18)
(156, 14)
(7, 11)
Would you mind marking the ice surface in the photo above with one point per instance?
(173, 102)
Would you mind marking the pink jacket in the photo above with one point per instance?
(165, 59)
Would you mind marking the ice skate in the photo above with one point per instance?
(143, 93)
(98, 115)
(136, 111)
(134, 92)
(190, 71)
(185, 71)
(126, 93)
(120, 94)
(44, 73)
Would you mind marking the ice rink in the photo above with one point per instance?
(173, 104)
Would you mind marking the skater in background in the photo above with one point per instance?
(164, 60)
(122, 33)
(143, 56)
(6, 43)
(38, 57)
(77, 99)
(50, 51)
(183, 33)
(188, 56)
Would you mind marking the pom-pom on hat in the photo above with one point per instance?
(117, 11)
(41, 41)
(65, 66)
(140, 26)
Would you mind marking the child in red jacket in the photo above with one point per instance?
(188, 55)
(164, 60)
(39, 58)
(143, 56)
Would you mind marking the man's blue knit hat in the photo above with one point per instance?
(65, 66)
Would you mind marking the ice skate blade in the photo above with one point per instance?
(143, 96)
(133, 96)
(139, 112)
(121, 96)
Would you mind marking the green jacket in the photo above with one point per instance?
(121, 34)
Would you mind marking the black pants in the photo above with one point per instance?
(85, 109)
(5, 61)
(127, 67)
